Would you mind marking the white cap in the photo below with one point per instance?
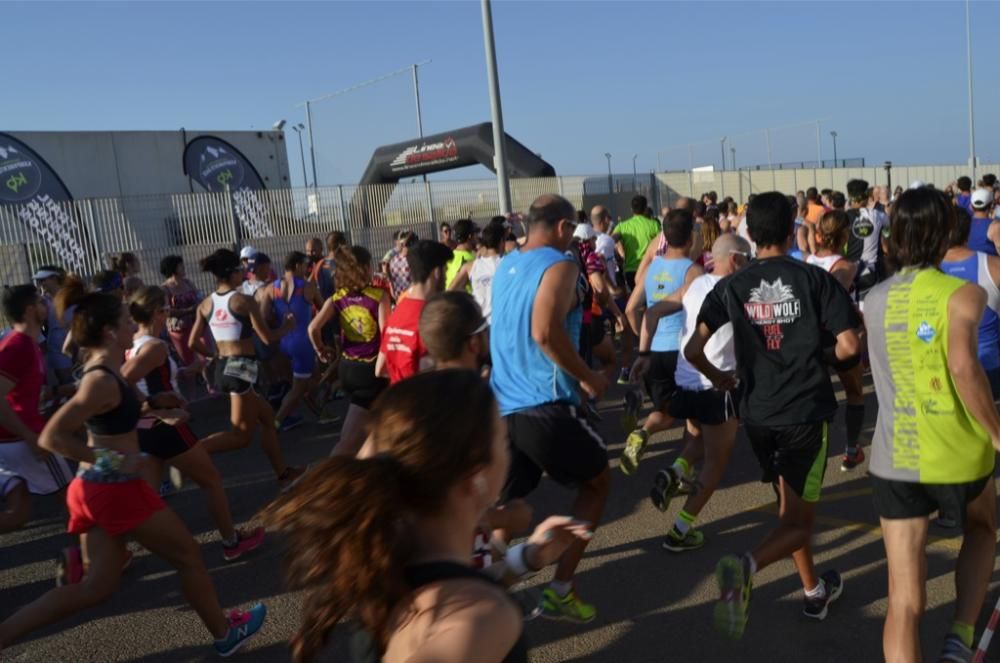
(584, 231)
(43, 274)
(247, 252)
(982, 198)
(917, 184)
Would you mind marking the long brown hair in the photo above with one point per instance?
(832, 230)
(710, 230)
(89, 313)
(346, 521)
(353, 267)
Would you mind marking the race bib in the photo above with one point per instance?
(242, 368)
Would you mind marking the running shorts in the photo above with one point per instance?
(300, 352)
(358, 380)
(797, 454)
(630, 281)
(659, 379)
(116, 508)
(993, 375)
(42, 477)
(236, 375)
(905, 499)
(165, 441)
(554, 438)
(707, 406)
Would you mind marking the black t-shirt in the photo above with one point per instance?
(780, 308)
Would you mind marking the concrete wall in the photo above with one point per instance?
(115, 164)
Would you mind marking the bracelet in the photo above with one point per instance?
(645, 353)
(517, 561)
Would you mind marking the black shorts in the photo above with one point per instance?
(586, 350)
(233, 385)
(357, 379)
(598, 330)
(795, 453)
(165, 441)
(554, 438)
(905, 499)
(659, 379)
(709, 406)
(630, 281)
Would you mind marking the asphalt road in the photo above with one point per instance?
(652, 605)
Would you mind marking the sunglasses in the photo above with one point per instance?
(483, 326)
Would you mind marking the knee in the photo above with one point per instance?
(907, 601)
(96, 588)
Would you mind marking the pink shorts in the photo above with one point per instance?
(116, 508)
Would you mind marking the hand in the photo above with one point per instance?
(639, 368)
(172, 416)
(552, 537)
(325, 353)
(723, 380)
(620, 323)
(595, 384)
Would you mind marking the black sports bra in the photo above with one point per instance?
(123, 417)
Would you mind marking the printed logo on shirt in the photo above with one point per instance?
(772, 305)
(862, 227)
(925, 332)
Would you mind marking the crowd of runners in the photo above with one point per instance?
(720, 313)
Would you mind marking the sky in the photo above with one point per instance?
(660, 81)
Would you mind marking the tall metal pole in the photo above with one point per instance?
(722, 147)
(819, 147)
(420, 134)
(302, 156)
(312, 144)
(499, 137)
(635, 183)
(834, 134)
(767, 136)
(732, 150)
(607, 155)
(972, 118)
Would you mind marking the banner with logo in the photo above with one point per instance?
(30, 185)
(216, 165)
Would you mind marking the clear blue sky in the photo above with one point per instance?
(578, 79)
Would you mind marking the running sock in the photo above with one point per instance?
(854, 420)
(965, 632)
(817, 592)
(229, 543)
(561, 588)
(750, 562)
(682, 466)
(684, 522)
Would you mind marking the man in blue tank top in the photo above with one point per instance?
(668, 275)
(538, 376)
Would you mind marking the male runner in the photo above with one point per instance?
(864, 246)
(538, 376)
(932, 449)
(779, 308)
(465, 232)
(318, 271)
(455, 331)
(985, 231)
(632, 236)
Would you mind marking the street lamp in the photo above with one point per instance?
(297, 128)
(607, 155)
(972, 117)
(732, 150)
(634, 174)
(834, 134)
(723, 148)
(496, 113)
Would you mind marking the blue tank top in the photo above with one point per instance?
(978, 241)
(664, 277)
(523, 376)
(989, 327)
(296, 305)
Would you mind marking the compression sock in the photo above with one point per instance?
(683, 467)
(965, 632)
(854, 420)
(684, 522)
(561, 588)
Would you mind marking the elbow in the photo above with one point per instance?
(850, 345)
(542, 337)
(691, 352)
(46, 441)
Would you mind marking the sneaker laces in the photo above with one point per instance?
(237, 617)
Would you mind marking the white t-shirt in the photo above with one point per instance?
(743, 231)
(481, 277)
(719, 349)
(605, 246)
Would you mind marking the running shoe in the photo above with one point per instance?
(623, 376)
(955, 651)
(69, 566)
(631, 408)
(817, 608)
(291, 422)
(529, 599)
(167, 488)
(176, 478)
(735, 585)
(569, 608)
(850, 461)
(243, 624)
(244, 543)
(635, 446)
(677, 542)
(665, 486)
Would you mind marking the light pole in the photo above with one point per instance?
(297, 128)
(834, 134)
(499, 138)
(722, 146)
(634, 174)
(607, 155)
(972, 118)
(732, 150)
(420, 134)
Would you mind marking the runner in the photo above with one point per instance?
(170, 440)
(361, 311)
(258, 275)
(334, 241)
(711, 415)
(108, 282)
(445, 236)
(233, 318)
(831, 235)
(779, 308)
(600, 219)
(400, 566)
(399, 270)
(294, 297)
(668, 274)
(49, 279)
(317, 269)
(29, 469)
(864, 247)
(182, 298)
(479, 273)
(633, 236)
(109, 501)
(465, 233)
(603, 307)
(401, 351)
(964, 197)
(455, 331)
(985, 232)
(538, 375)
(922, 323)
(126, 264)
(814, 208)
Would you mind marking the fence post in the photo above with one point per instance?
(96, 244)
(233, 222)
(430, 201)
(560, 181)
(343, 206)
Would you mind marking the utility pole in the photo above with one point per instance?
(834, 134)
(499, 137)
(972, 117)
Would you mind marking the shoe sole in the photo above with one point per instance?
(563, 617)
(730, 616)
(239, 645)
(663, 490)
(176, 478)
(679, 549)
(826, 609)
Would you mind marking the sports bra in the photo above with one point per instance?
(123, 417)
(160, 379)
(226, 325)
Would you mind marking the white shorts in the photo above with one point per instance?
(43, 477)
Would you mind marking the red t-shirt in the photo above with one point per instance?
(21, 362)
(401, 342)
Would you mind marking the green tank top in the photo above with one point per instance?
(924, 433)
(451, 271)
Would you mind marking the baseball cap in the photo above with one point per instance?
(258, 259)
(583, 232)
(247, 252)
(918, 184)
(982, 198)
(44, 273)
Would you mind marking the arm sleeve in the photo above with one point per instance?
(714, 312)
(836, 310)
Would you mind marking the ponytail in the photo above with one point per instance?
(222, 264)
(88, 314)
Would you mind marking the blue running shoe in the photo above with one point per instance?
(243, 624)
